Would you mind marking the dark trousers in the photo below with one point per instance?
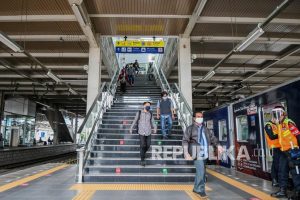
(283, 175)
(275, 163)
(131, 79)
(123, 87)
(150, 77)
(145, 142)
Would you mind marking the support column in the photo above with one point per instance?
(94, 76)
(76, 128)
(185, 69)
(1, 108)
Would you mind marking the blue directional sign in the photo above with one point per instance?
(152, 50)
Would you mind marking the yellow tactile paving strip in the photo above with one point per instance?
(84, 195)
(92, 188)
(133, 187)
(30, 178)
(241, 186)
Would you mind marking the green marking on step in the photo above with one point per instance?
(165, 171)
(159, 142)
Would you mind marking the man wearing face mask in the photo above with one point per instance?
(145, 123)
(289, 140)
(198, 136)
(166, 113)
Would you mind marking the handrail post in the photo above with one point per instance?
(80, 164)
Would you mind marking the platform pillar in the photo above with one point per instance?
(94, 76)
(185, 69)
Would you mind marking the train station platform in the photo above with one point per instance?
(18, 155)
(57, 181)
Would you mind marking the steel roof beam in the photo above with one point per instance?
(193, 19)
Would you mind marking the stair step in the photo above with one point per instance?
(136, 161)
(121, 136)
(124, 147)
(137, 141)
(131, 154)
(128, 125)
(137, 169)
(105, 130)
(120, 121)
(138, 178)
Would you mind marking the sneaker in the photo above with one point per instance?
(143, 163)
(201, 194)
(165, 137)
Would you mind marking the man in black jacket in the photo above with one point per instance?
(199, 136)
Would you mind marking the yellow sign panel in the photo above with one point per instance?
(137, 43)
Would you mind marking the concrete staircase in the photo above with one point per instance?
(115, 155)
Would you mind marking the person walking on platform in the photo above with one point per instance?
(289, 140)
(122, 80)
(271, 134)
(166, 114)
(196, 141)
(150, 72)
(136, 67)
(130, 72)
(145, 123)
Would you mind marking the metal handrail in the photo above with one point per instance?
(183, 98)
(107, 91)
(91, 108)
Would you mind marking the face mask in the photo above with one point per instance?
(199, 120)
(165, 98)
(148, 108)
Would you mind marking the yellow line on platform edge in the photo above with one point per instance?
(30, 178)
(241, 186)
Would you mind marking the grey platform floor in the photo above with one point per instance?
(58, 185)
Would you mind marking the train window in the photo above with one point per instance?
(222, 130)
(242, 128)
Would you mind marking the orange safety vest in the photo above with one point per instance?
(286, 137)
(273, 143)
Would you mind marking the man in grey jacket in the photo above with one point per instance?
(145, 122)
(196, 141)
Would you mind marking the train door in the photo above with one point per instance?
(266, 115)
(248, 137)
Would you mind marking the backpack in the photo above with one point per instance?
(139, 116)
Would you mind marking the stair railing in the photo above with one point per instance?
(184, 111)
(92, 122)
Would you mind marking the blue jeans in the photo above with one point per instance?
(199, 185)
(163, 120)
(131, 79)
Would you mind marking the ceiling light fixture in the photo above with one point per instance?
(53, 76)
(250, 39)
(214, 89)
(208, 76)
(10, 43)
(72, 91)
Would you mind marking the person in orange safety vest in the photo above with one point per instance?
(271, 134)
(289, 139)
